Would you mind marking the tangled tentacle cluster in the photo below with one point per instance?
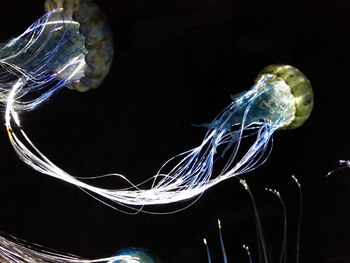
(16, 251)
(257, 113)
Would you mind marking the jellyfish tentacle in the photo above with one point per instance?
(222, 244)
(205, 242)
(342, 165)
(67, 47)
(264, 255)
(16, 251)
(247, 250)
(47, 56)
(267, 107)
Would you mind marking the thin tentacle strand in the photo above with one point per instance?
(268, 106)
(15, 251)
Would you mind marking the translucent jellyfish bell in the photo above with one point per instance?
(69, 46)
(302, 100)
(281, 98)
(97, 40)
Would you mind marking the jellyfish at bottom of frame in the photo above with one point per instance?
(141, 254)
(71, 45)
(282, 98)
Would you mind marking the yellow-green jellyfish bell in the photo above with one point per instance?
(300, 90)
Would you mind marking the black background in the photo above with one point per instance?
(177, 62)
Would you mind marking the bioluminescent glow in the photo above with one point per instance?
(281, 98)
(263, 251)
(15, 251)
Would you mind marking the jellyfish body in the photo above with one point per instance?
(15, 251)
(55, 52)
(142, 255)
(282, 98)
(98, 40)
(300, 88)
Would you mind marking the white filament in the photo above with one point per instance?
(182, 177)
(190, 176)
(15, 252)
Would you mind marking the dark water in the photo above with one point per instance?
(177, 63)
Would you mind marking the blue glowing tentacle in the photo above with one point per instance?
(190, 173)
(17, 46)
(238, 142)
(207, 250)
(262, 246)
(49, 55)
(222, 244)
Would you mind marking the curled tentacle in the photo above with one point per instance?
(257, 113)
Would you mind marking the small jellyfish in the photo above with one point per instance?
(281, 98)
(141, 254)
(17, 251)
(70, 46)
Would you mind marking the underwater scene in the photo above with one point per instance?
(174, 131)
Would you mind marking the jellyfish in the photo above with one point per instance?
(280, 99)
(13, 250)
(16, 251)
(70, 46)
(143, 255)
